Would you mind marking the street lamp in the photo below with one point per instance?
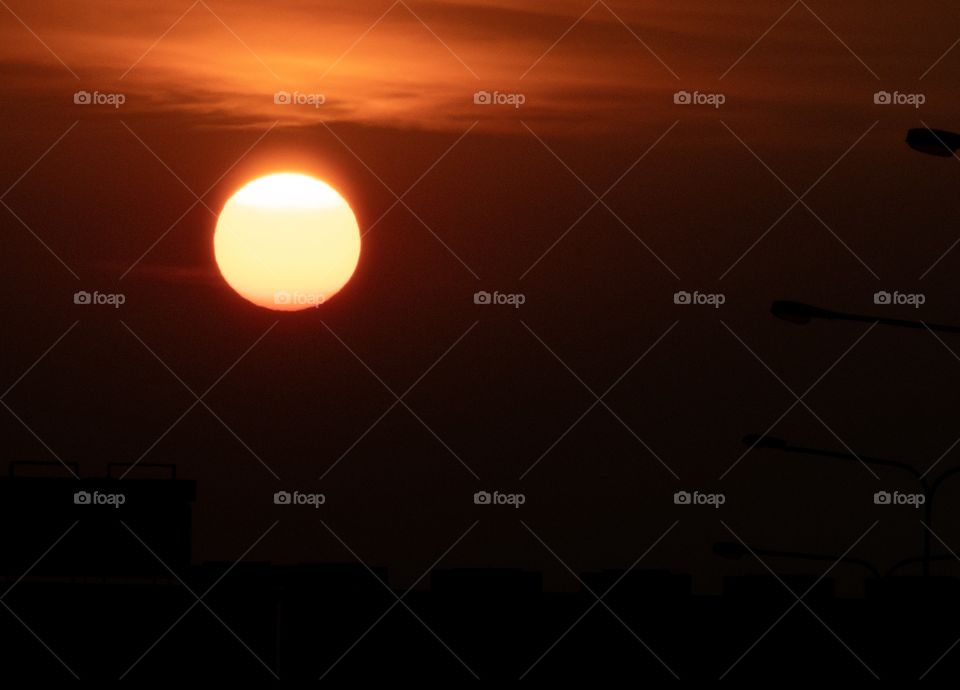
(929, 489)
(801, 314)
(934, 142)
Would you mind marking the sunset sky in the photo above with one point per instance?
(400, 64)
(498, 198)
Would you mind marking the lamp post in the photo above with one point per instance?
(928, 488)
(801, 314)
(933, 142)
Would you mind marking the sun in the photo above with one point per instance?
(287, 242)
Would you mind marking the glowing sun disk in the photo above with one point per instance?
(287, 242)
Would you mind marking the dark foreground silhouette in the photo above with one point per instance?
(935, 142)
(99, 603)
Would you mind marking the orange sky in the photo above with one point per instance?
(392, 63)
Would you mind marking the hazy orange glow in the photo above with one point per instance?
(287, 242)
